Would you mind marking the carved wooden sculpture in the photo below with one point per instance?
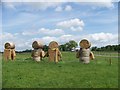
(37, 53)
(85, 54)
(54, 53)
(9, 51)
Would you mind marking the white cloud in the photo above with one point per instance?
(103, 37)
(34, 5)
(76, 29)
(20, 19)
(97, 39)
(10, 5)
(44, 31)
(6, 35)
(17, 39)
(59, 0)
(59, 9)
(61, 39)
(73, 24)
(54, 32)
(48, 39)
(44, 5)
(96, 3)
(102, 4)
(65, 38)
(45, 40)
(68, 8)
(29, 33)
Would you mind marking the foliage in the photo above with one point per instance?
(45, 48)
(68, 46)
(107, 48)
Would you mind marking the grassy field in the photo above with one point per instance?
(69, 73)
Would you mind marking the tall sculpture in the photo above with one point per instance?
(54, 53)
(37, 53)
(9, 51)
(85, 54)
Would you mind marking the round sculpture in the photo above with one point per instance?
(38, 53)
(54, 53)
(9, 51)
(85, 54)
(53, 44)
(37, 44)
(9, 45)
(85, 43)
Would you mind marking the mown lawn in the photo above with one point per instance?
(68, 73)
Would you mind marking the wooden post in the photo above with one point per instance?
(110, 60)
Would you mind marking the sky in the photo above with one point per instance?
(25, 22)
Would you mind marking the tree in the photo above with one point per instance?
(68, 46)
(45, 48)
(98, 49)
(72, 44)
(107, 48)
(27, 50)
(62, 48)
(94, 48)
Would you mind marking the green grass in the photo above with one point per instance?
(69, 73)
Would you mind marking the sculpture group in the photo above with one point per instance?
(53, 53)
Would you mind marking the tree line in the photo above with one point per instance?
(107, 48)
(71, 45)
